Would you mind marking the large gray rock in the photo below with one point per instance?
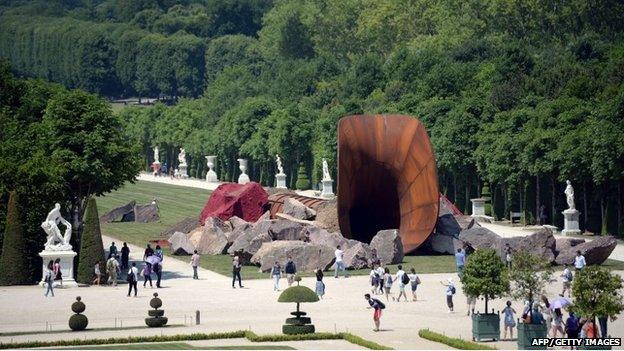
(479, 238)
(185, 226)
(213, 239)
(118, 213)
(440, 244)
(236, 222)
(358, 256)
(541, 244)
(388, 245)
(180, 244)
(146, 213)
(308, 257)
(250, 241)
(596, 251)
(562, 244)
(320, 236)
(287, 230)
(298, 210)
(238, 232)
(327, 216)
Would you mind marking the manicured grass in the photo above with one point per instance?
(88, 329)
(177, 202)
(183, 346)
(455, 343)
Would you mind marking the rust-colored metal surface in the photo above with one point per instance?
(387, 178)
(276, 202)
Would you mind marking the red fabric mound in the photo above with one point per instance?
(247, 201)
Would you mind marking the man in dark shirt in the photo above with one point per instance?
(290, 269)
(157, 268)
(125, 253)
(112, 250)
(377, 306)
(148, 252)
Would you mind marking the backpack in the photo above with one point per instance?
(417, 281)
(405, 279)
(381, 304)
(569, 276)
(453, 291)
(130, 277)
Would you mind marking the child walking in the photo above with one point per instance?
(510, 321)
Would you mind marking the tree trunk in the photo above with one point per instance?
(620, 225)
(584, 206)
(486, 304)
(505, 190)
(553, 199)
(494, 192)
(537, 199)
(604, 207)
(467, 195)
(455, 189)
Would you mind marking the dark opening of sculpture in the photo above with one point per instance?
(386, 178)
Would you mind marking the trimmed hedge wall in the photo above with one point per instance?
(13, 261)
(455, 343)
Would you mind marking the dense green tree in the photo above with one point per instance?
(91, 246)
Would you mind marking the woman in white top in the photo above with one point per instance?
(414, 282)
(98, 274)
(374, 280)
(380, 272)
(387, 278)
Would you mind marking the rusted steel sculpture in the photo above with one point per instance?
(276, 202)
(387, 178)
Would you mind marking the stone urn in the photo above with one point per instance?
(242, 165)
(211, 176)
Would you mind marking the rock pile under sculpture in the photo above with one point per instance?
(298, 210)
(180, 244)
(309, 257)
(388, 245)
(596, 251)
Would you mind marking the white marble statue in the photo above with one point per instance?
(156, 156)
(280, 168)
(569, 192)
(326, 175)
(55, 241)
(182, 157)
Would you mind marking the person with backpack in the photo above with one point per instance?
(557, 323)
(112, 267)
(460, 261)
(403, 280)
(572, 326)
(276, 273)
(377, 306)
(387, 279)
(290, 269)
(48, 279)
(567, 277)
(133, 278)
(414, 282)
(450, 291)
(380, 275)
(374, 279)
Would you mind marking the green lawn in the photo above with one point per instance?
(181, 346)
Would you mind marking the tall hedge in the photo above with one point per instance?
(303, 182)
(91, 246)
(14, 261)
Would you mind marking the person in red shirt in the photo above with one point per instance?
(377, 306)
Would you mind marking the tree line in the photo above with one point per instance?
(520, 95)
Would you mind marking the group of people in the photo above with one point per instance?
(112, 266)
(382, 280)
(51, 275)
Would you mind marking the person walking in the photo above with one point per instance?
(460, 261)
(112, 267)
(125, 254)
(374, 280)
(377, 306)
(148, 252)
(557, 323)
(98, 273)
(572, 326)
(133, 278)
(236, 269)
(157, 268)
(508, 253)
(471, 301)
(380, 272)
(195, 263)
(276, 273)
(339, 262)
(566, 278)
(290, 269)
(542, 214)
(547, 313)
(510, 321)
(403, 280)
(147, 274)
(112, 250)
(159, 253)
(58, 275)
(450, 291)
(387, 278)
(579, 261)
(589, 328)
(414, 282)
(320, 286)
(49, 279)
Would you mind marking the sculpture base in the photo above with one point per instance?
(571, 222)
(281, 181)
(67, 266)
(328, 189)
(243, 178)
(183, 172)
(478, 207)
(211, 177)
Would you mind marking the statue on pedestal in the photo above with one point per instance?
(280, 168)
(280, 177)
(182, 157)
(156, 156)
(326, 175)
(54, 240)
(327, 182)
(569, 192)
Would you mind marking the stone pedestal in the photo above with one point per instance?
(211, 175)
(281, 181)
(67, 265)
(571, 222)
(478, 207)
(328, 188)
(183, 172)
(242, 165)
(243, 179)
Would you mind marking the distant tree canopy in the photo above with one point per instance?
(520, 95)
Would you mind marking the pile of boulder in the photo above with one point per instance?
(267, 240)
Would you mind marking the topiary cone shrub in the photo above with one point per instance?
(487, 196)
(91, 246)
(14, 261)
(298, 294)
(156, 317)
(303, 183)
(78, 321)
